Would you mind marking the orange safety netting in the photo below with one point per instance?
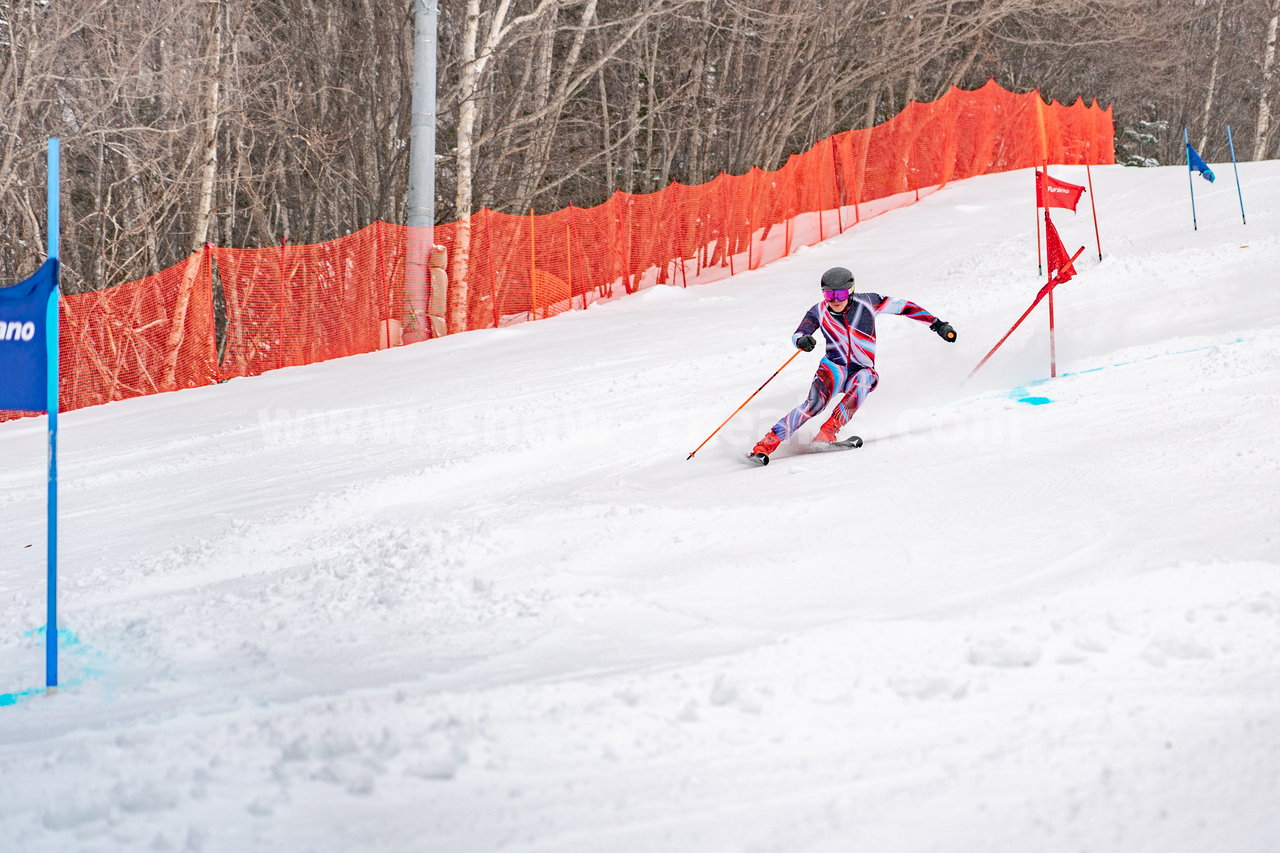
(143, 337)
(292, 305)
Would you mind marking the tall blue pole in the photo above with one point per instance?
(1243, 221)
(1186, 144)
(51, 343)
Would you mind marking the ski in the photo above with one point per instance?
(842, 444)
(813, 447)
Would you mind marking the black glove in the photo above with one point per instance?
(806, 343)
(944, 331)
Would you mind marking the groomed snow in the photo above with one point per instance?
(470, 595)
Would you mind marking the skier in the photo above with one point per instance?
(847, 320)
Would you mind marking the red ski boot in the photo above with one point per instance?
(826, 435)
(765, 446)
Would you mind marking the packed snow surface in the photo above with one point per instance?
(470, 595)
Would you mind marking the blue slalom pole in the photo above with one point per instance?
(51, 347)
(1237, 170)
(1186, 144)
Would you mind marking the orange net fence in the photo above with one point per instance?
(143, 337)
(225, 313)
(292, 305)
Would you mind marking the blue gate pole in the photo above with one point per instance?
(1243, 221)
(51, 344)
(1186, 143)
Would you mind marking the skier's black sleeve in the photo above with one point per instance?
(807, 326)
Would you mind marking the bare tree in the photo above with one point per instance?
(1213, 75)
(289, 118)
(1268, 79)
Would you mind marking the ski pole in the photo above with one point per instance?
(744, 403)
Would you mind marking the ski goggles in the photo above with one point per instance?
(837, 295)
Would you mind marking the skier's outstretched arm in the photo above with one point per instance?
(907, 308)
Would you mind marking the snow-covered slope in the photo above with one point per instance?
(471, 596)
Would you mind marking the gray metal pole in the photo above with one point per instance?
(422, 133)
(422, 173)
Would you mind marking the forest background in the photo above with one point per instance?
(245, 122)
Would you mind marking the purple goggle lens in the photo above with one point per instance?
(836, 295)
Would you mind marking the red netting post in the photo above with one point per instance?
(699, 241)
(213, 312)
(839, 178)
(681, 229)
(533, 268)
(913, 151)
(789, 192)
(726, 215)
(626, 235)
(682, 243)
(380, 271)
(612, 261)
(568, 256)
(860, 174)
(684, 268)
(493, 279)
(284, 243)
(821, 198)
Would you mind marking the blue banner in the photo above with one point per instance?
(1197, 164)
(24, 361)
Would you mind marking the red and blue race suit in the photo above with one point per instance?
(848, 367)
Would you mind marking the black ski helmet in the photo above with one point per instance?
(837, 278)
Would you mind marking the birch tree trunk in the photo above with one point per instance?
(471, 67)
(474, 60)
(209, 164)
(204, 204)
(1268, 78)
(1213, 76)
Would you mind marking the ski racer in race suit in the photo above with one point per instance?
(848, 322)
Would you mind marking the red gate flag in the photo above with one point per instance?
(1061, 268)
(1052, 192)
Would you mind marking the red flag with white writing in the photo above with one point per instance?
(1061, 268)
(1051, 192)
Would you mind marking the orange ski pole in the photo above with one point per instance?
(744, 403)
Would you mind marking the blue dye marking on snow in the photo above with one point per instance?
(1022, 395)
(77, 653)
(12, 698)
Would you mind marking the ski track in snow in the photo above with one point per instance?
(471, 596)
